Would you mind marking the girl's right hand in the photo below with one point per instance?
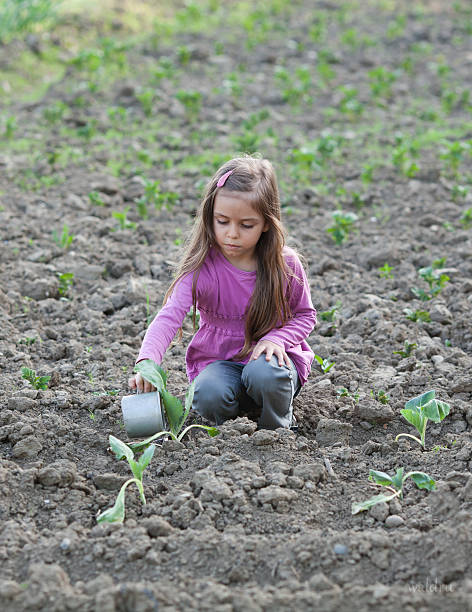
(142, 386)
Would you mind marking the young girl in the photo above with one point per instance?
(253, 298)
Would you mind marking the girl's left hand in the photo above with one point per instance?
(270, 348)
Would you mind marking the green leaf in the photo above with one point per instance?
(397, 480)
(162, 373)
(120, 449)
(189, 397)
(422, 480)
(436, 411)
(380, 478)
(212, 431)
(443, 408)
(327, 365)
(138, 446)
(153, 373)
(139, 484)
(116, 514)
(174, 411)
(420, 294)
(420, 400)
(414, 417)
(146, 457)
(368, 503)
(136, 468)
(188, 402)
(42, 382)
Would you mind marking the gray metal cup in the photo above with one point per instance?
(142, 414)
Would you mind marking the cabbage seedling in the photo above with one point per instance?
(386, 271)
(343, 392)
(419, 410)
(325, 364)
(394, 484)
(409, 347)
(38, 382)
(380, 395)
(436, 281)
(176, 413)
(331, 314)
(343, 224)
(417, 315)
(116, 514)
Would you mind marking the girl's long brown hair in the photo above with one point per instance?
(269, 306)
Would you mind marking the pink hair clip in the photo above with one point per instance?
(222, 179)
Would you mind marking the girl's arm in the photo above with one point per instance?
(165, 325)
(303, 314)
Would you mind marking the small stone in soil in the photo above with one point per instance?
(380, 512)
(65, 544)
(394, 520)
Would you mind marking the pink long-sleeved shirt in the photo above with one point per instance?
(223, 293)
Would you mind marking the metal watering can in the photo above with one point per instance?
(143, 414)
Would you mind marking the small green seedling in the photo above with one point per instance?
(38, 382)
(96, 199)
(343, 392)
(394, 484)
(116, 514)
(192, 102)
(409, 347)
(153, 196)
(64, 240)
(122, 220)
(466, 218)
(147, 100)
(10, 127)
(453, 153)
(325, 364)
(381, 81)
(66, 281)
(351, 106)
(330, 315)
(367, 174)
(417, 315)
(380, 395)
(435, 279)
(176, 413)
(386, 271)
(419, 410)
(343, 222)
(459, 192)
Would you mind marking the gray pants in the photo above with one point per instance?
(226, 389)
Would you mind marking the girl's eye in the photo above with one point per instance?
(220, 222)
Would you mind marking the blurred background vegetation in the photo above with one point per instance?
(327, 89)
(39, 38)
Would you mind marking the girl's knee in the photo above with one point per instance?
(262, 372)
(212, 401)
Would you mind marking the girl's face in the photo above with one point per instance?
(237, 227)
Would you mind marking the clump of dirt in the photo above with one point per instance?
(249, 520)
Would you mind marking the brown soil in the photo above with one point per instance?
(246, 521)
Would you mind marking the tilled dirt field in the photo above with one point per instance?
(249, 520)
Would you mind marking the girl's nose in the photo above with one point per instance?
(233, 231)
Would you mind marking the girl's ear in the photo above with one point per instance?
(266, 227)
